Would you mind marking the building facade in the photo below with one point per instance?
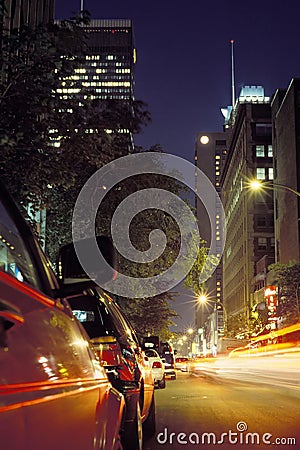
(109, 66)
(107, 72)
(210, 155)
(286, 144)
(28, 12)
(249, 215)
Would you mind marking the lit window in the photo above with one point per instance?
(271, 173)
(270, 151)
(260, 173)
(262, 243)
(260, 150)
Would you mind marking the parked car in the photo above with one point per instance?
(167, 355)
(54, 393)
(118, 349)
(182, 363)
(158, 368)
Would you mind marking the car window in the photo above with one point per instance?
(123, 326)
(93, 315)
(151, 354)
(15, 258)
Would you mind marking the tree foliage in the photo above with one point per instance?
(287, 276)
(150, 316)
(47, 153)
(47, 149)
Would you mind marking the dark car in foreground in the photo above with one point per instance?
(118, 349)
(54, 392)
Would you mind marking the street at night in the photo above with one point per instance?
(201, 404)
(149, 225)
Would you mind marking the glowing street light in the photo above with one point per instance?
(257, 185)
(202, 298)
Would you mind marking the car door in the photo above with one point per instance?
(53, 390)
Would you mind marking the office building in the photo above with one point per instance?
(107, 72)
(249, 215)
(109, 66)
(28, 12)
(210, 155)
(286, 145)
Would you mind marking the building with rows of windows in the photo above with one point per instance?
(262, 138)
(108, 70)
(249, 215)
(241, 153)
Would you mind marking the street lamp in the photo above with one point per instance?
(259, 185)
(202, 298)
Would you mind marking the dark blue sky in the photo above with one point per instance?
(183, 69)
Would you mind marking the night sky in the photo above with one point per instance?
(183, 69)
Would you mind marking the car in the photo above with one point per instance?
(182, 363)
(54, 392)
(118, 348)
(167, 355)
(158, 368)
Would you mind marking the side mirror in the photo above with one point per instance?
(101, 266)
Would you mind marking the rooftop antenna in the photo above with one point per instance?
(232, 74)
(81, 5)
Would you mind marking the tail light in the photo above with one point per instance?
(108, 350)
(156, 365)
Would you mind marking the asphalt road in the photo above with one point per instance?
(203, 407)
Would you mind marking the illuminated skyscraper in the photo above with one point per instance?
(110, 61)
(108, 70)
(210, 155)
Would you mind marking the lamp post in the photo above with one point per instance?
(258, 185)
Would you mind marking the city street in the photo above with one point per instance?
(201, 404)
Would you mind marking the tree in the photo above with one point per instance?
(46, 153)
(287, 276)
(150, 315)
(192, 280)
(32, 69)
